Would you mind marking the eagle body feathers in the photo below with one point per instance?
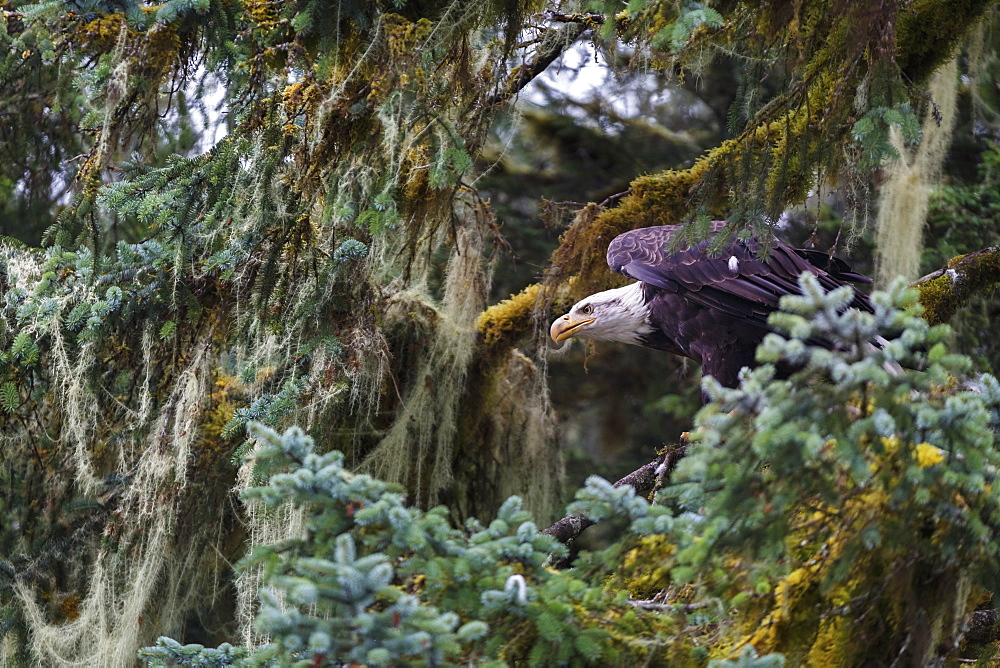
(712, 308)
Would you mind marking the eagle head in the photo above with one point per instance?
(613, 315)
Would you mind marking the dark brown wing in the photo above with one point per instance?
(747, 287)
(832, 265)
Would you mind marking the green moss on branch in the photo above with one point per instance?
(946, 290)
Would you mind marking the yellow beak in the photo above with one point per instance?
(565, 327)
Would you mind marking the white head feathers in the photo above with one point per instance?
(613, 315)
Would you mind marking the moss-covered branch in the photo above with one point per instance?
(511, 319)
(950, 288)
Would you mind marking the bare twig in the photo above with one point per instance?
(612, 198)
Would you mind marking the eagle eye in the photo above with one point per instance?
(586, 309)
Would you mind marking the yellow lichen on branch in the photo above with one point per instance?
(102, 32)
(301, 101)
(509, 318)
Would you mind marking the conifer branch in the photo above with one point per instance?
(942, 293)
(645, 480)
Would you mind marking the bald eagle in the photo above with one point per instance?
(710, 308)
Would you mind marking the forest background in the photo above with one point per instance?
(223, 219)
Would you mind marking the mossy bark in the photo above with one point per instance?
(948, 289)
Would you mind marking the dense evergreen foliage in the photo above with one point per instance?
(224, 218)
(843, 493)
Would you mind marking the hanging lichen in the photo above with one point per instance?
(265, 527)
(139, 573)
(290, 273)
(417, 449)
(909, 178)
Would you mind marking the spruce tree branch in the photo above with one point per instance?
(645, 480)
(942, 293)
